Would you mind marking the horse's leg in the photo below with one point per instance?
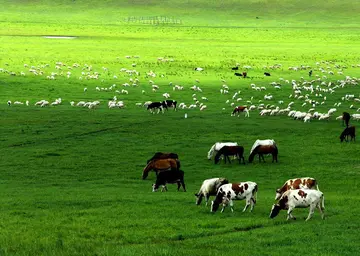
(183, 185)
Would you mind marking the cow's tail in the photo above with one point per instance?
(317, 186)
(323, 202)
(254, 192)
(211, 151)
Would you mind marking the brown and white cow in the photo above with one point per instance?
(235, 191)
(237, 110)
(297, 183)
(299, 198)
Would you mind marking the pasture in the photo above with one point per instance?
(70, 176)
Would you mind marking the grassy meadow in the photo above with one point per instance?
(70, 177)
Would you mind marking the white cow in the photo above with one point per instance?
(263, 143)
(217, 146)
(235, 191)
(209, 188)
(299, 198)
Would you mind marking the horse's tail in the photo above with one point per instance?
(211, 151)
(178, 164)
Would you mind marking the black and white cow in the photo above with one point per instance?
(165, 177)
(235, 191)
(156, 105)
(209, 188)
(169, 104)
(299, 198)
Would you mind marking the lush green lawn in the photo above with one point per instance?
(70, 177)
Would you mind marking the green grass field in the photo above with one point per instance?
(70, 177)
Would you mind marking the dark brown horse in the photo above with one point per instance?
(262, 150)
(227, 151)
(161, 155)
(160, 165)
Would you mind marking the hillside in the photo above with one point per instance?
(258, 13)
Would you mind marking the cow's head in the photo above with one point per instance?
(275, 210)
(278, 194)
(198, 198)
(217, 201)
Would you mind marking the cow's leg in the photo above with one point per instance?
(206, 199)
(223, 207)
(311, 212)
(289, 215)
(321, 211)
(243, 159)
(228, 158)
(231, 203)
(179, 185)
(246, 205)
(252, 202)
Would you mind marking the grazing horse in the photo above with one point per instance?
(264, 149)
(161, 155)
(217, 146)
(227, 151)
(160, 165)
(239, 109)
(262, 142)
(348, 131)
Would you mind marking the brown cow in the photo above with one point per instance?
(297, 183)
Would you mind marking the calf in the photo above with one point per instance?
(156, 105)
(266, 74)
(299, 198)
(346, 118)
(209, 188)
(235, 191)
(297, 183)
(348, 131)
(244, 74)
(170, 104)
(174, 176)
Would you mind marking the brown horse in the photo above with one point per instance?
(161, 155)
(264, 149)
(227, 151)
(159, 165)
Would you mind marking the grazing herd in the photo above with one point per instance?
(294, 193)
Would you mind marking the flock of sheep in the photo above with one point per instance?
(307, 95)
